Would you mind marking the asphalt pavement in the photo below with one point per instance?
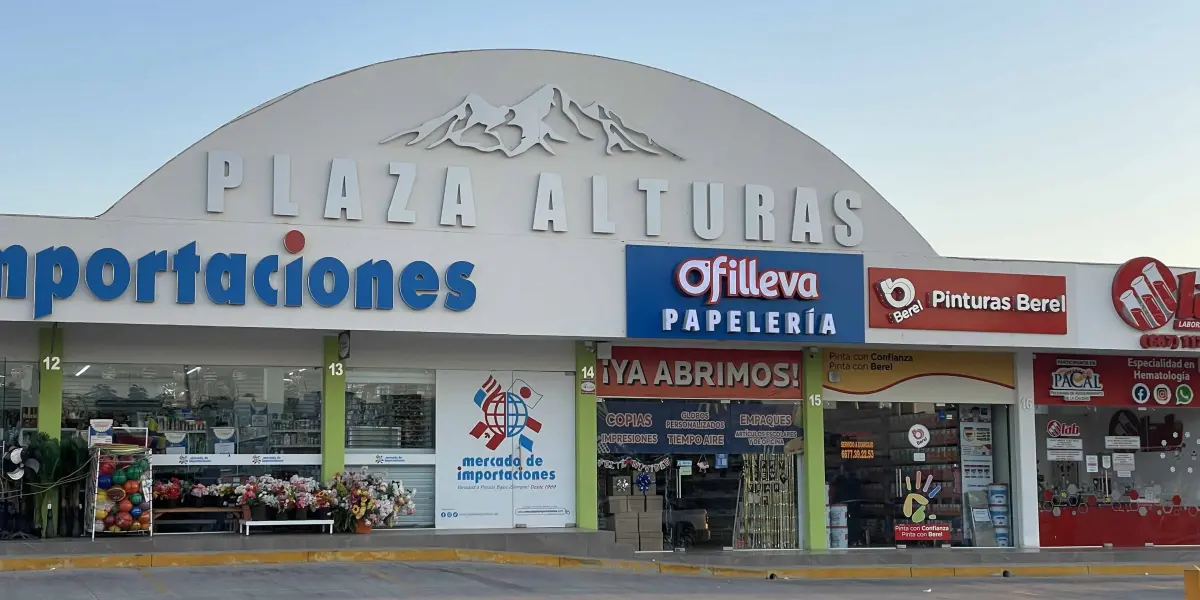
(435, 581)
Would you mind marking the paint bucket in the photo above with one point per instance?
(838, 537)
(999, 515)
(1002, 537)
(838, 515)
(997, 494)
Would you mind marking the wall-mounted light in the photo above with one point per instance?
(192, 370)
(83, 370)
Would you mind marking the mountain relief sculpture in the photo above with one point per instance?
(529, 117)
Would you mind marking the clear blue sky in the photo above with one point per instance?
(1059, 130)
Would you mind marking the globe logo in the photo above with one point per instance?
(506, 413)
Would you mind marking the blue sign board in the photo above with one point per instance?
(753, 295)
(680, 427)
(228, 278)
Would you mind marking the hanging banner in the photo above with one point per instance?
(673, 427)
(700, 373)
(506, 447)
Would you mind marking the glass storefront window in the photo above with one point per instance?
(1122, 475)
(199, 409)
(719, 474)
(18, 400)
(390, 409)
(916, 474)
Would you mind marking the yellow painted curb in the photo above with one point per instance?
(509, 558)
(931, 572)
(206, 559)
(110, 561)
(218, 559)
(861, 572)
(1119, 570)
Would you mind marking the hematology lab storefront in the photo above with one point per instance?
(545, 298)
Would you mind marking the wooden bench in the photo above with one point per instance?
(246, 525)
(240, 514)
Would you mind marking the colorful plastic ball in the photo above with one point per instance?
(116, 494)
(144, 520)
(135, 512)
(135, 526)
(101, 497)
(124, 520)
(107, 468)
(145, 506)
(110, 520)
(125, 506)
(114, 529)
(104, 481)
(132, 486)
(119, 478)
(101, 514)
(135, 498)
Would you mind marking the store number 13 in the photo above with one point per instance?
(336, 369)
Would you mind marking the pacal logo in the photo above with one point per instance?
(1147, 296)
(506, 413)
(900, 294)
(1075, 381)
(1060, 429)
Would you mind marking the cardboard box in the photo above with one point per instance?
(620, 485)
(650, 522)
(653, 503)
(617, 505)
(631, 541)
(626, 524)
(650, 542)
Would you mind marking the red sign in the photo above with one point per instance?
(1114, 380)
(965, 301)
(923, 532)
(1059, 429)
(1148, 296)
(699, 373)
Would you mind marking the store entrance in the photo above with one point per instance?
(914, 475)
(719, 475)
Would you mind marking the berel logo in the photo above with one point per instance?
(900, 294)
(1147, 296)
(1059, 429)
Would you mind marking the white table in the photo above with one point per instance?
(246, 525)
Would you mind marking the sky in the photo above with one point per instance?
(1021, 129)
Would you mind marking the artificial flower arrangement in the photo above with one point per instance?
(364, 500)
(167, 491)
(358, 500)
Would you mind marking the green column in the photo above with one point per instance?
(50, 381)
(816, 536)
(333, 410)
(586, 509)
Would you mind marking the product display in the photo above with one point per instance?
(115, 491)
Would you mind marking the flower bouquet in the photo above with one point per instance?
(167, 492)
(196, 494)
(366, 500)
